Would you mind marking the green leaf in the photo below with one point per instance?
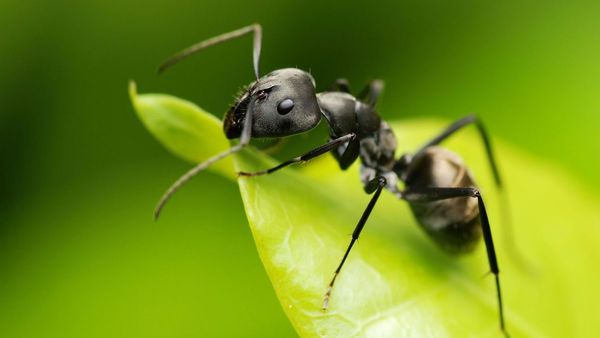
(183, 128)
(396, 282)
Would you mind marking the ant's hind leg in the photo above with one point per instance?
(437, 194)
(456, 126)
(514, 251)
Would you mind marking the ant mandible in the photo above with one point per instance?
(438, 186)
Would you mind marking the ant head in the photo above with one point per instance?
(282, 103)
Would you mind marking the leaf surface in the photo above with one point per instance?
(396, 282)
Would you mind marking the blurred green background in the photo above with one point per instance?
(79, 254)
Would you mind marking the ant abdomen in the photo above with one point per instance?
(454, 224)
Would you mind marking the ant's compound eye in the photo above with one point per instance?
(285, 106)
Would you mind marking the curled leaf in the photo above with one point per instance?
(182, 127)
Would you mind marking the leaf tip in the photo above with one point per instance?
(132, 90)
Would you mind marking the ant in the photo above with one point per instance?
(439, 188)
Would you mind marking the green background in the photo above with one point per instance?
(79, 254)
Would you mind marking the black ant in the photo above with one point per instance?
(438, 186)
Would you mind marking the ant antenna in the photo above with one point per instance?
(254, 28)
(244, 141)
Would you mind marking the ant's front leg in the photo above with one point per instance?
(307, 156)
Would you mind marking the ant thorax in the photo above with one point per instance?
(378, 149)
(375, 142)
(377, 157)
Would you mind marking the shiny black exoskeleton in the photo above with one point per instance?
(438, 186)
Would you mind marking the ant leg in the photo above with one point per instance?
(375, 185)
(256, 29)
(349, 155)
(454, 127)
(371, 92)
(342, 85)
(436, 194)
(516, 254)
(244, 141)
(309, 155)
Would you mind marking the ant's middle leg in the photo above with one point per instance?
(320, 150)
(375, 185)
